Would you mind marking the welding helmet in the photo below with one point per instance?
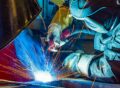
(84, 8)
(15, 15)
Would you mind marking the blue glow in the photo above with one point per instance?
(30, 53)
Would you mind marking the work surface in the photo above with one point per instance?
(66, 83)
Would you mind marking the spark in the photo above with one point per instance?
(18, 72)
(42, 76)
(93, 82)
(66, 75)
(56, 58)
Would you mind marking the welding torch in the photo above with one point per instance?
(66, 37)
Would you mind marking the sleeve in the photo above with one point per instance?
(112, 49)
(62, 17)
(106, 67)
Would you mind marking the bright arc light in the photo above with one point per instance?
(43, 76)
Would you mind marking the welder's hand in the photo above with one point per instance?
(72, 60)
(55, 42)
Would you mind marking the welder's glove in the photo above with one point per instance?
(54, 31)
(78, 62)
(71, 61)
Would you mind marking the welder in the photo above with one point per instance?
(103, 17)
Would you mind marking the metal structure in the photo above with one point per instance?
(14, 16)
